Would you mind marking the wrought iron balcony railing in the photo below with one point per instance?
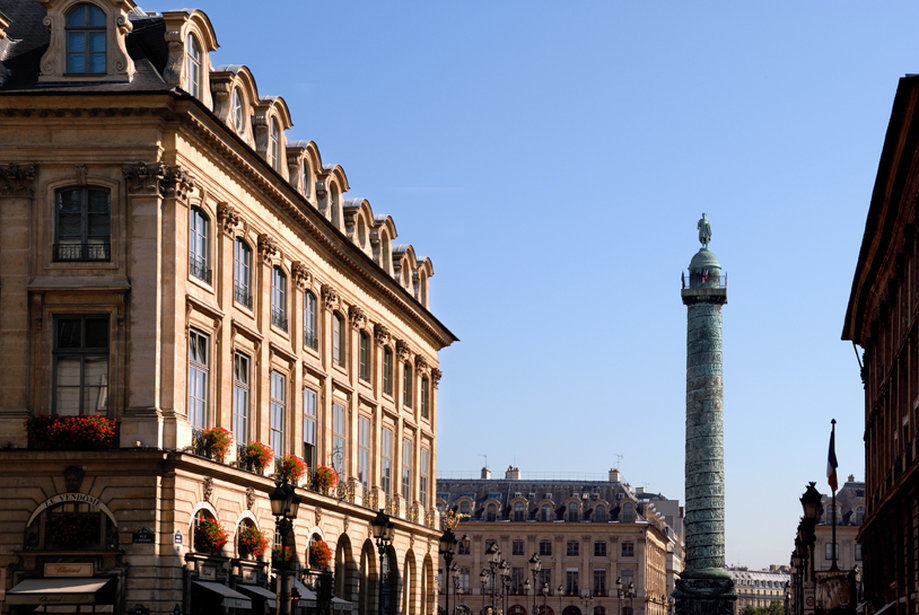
(242, 295)
(71, 252)
(279, 317)
(197, 266)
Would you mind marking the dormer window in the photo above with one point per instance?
(85, 31)
(362, 233)
(305, 182)
(274, 145)
(239, 114)
(193, 57)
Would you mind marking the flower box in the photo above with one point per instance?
(213, 443)
(209, 536)
(324, 478)
(73, 433)
(291, 469)
(255, 456)
(252, 543)
(320, 554)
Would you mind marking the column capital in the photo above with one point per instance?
(228, 217)
(267, 246)
(436, 375)
(301, 274)
(329, 297)
(380, 334)
(356, 316)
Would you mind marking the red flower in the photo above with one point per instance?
(215, 442)
(88, 432)
(324, 478)
(256, 455)
(320, 554)
(209, 536)
(291, 468)
(252, 542)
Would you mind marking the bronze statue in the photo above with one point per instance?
(705, 231)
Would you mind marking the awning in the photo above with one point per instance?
(228, 597)
(58, 590)
(259, 592)
(339, 604)
(307, 596)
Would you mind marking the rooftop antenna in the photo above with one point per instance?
(486, 458)
(618, 460)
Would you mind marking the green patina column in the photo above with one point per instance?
(704, 587)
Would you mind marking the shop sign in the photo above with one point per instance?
(69, 569)
(62, 498)
(142, 536)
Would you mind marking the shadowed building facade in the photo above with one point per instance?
(705, 587)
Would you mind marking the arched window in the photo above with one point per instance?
(491, 512)
(310, 334)
(306, 184)
(407, 385)
(250, 542)
(278, 298)
(364, 356)
(71, 526)
(519, 511)
(274, 145)
(199, 244)
(85, 31)
(361, 233)
(338, 339)
(387, 371)
(334, 198)
(386, 249)
(545, 512)
(239, 111)
(600, 515)
(193, 64)
(424, 397)
(83, 225)
(573, 512)
(465, 507)
(242, 272)
(207, 534)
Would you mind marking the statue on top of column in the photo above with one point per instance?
(705, 231)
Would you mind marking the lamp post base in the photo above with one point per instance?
(708, 595)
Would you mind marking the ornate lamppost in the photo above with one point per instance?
(561, 591)
(587, 597)
(284, 506)
(447, 544)
(545, 593)
(625, 591)
(535, 567)
(383, 531)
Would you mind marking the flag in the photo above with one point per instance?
(831, 464)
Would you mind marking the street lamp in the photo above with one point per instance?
(447, 544)
(545, 593)
(561, 590)
(535, 567)
(284, 506)
(625, 591)
(383, 530)
(587, 597)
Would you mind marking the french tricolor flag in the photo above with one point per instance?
(831, 464)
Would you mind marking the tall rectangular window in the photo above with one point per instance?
(242, 273)
(386, 457)
(198, 372)
(339, 451)
(387, 371)
(81, 357)
(599, 581)
(310, 417)
(363, 450)
(310, 331)
(407, 469)
(571, 582)
(240, 397)
(407, 385)
(600, 548)
(364, 356)
(545, 580)
(338, 339)
(517, 577)
(545, 547)
(572, 548)
(199, 231)
(278, 407)
(82, 229)
(424, 473)
(425, 392)
(517, 547)
(628, 549)
(278, 298)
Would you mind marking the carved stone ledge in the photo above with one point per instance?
(302, 275)
(329, 297)
(18, 179)
(267, 246)
(436, 375)
(356, 316)
(228, 217)
(381, 334)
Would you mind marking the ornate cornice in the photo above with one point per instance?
(329, 297)
(302, 275)
(267, 246)
(436, 375)
(17, 179)
(356, 316)
(380, 334)
(228, 217)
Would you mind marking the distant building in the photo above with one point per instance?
(587, 535)
(881, 317)
(759, 588)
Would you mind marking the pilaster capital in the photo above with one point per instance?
(301, 274)
(18, 179)
(421, 364)
(267, 246)
(329, 297)
(143, 177)
(356, 316)
(402, 350)
(380, 334)
(176, 182)
(228, 217)
(436, 375)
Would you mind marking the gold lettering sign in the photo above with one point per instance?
(69, 569)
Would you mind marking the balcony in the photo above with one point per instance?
(279, 317)
(242, 295)
(87, 252)
(310, 339)
(197, 266)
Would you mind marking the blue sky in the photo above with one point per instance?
(553, 158)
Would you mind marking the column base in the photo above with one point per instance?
(705, 595)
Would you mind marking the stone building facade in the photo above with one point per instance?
(171, 262)
(881, 318)
(587, 535)
(759, 588)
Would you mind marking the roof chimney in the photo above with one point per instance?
(851, 478)
(486, 474)
(613, 475)
(512, 473)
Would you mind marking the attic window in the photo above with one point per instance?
(239, 117)
(193, 76)
(85, 31)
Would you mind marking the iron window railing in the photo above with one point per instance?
(311, 340)
(197, 266)
(279, 317)
(64, 252)
(242, 295)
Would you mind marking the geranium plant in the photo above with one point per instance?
(209, 536)
(256, 456)
(215, 442)
(291, 468)
(320, 554)
(252, 542)
(324, 478)
(76, 433)
(279, 555)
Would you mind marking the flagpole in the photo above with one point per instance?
(834, 567)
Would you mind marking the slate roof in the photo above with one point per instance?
(848, 498)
